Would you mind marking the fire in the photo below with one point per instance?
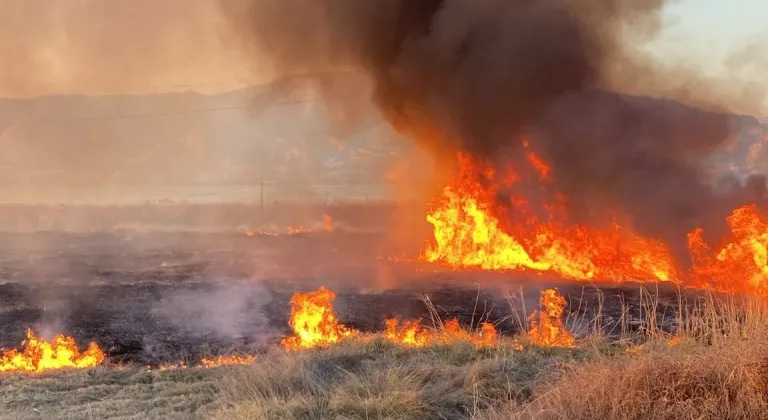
(412, 334)
(41, 355)
(469, 231)
(741, 263)
(468, 234)
(295, 229)
(547, 326)
(227, 361)
(536, 162)
(313, 321)
(327, 223)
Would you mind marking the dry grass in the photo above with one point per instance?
(378, 380)
(715, 368)
(108, 394)
(728, 382)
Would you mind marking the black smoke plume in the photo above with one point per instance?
(476, 76)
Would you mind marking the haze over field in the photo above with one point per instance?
(129, 100)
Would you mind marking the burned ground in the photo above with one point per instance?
(169, 297)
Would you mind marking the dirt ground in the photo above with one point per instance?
(157, 298)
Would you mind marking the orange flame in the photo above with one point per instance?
(327, 223)
(313, 321)
(41, 355)
(467, 234)
(227, 361)
(741, 263)
(412, 334)
(547, 326)
(295, 229)
(536, 162)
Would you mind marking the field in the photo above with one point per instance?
(155, 301)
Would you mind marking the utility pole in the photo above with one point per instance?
(261, 213)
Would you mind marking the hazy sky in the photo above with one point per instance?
(141, 46)
(706, 32)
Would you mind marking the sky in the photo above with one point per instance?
(705, 32)
(142, 46)
(53, 47)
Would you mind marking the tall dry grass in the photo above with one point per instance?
(713, 366)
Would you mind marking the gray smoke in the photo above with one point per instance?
(477, 76)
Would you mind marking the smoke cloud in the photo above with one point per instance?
(103, 47)
(622, 133)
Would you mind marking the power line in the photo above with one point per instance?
(190, 111)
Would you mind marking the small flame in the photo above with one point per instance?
(412, 334)
(547, 326)
(227, 361)
(295, 229)
(327, 223)
(313, 321)
(41, 355)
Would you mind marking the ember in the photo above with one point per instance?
(295, 229)
(227, 361)
(40, 355)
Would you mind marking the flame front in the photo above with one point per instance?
(468, 234)
(547, 326)
(412, 334)
(40, 355)
(741, 263)
(313, 321)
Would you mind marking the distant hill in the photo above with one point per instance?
(242, 136)
(234, 138)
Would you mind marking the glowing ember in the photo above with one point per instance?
(313, 321)
(741, 263)
(295, 229)
(536, 162)
(547, 326)
(227, 361)
(169, 366)
(412, 334)
(41, 355)
(467, 234)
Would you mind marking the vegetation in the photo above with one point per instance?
(715, 367)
